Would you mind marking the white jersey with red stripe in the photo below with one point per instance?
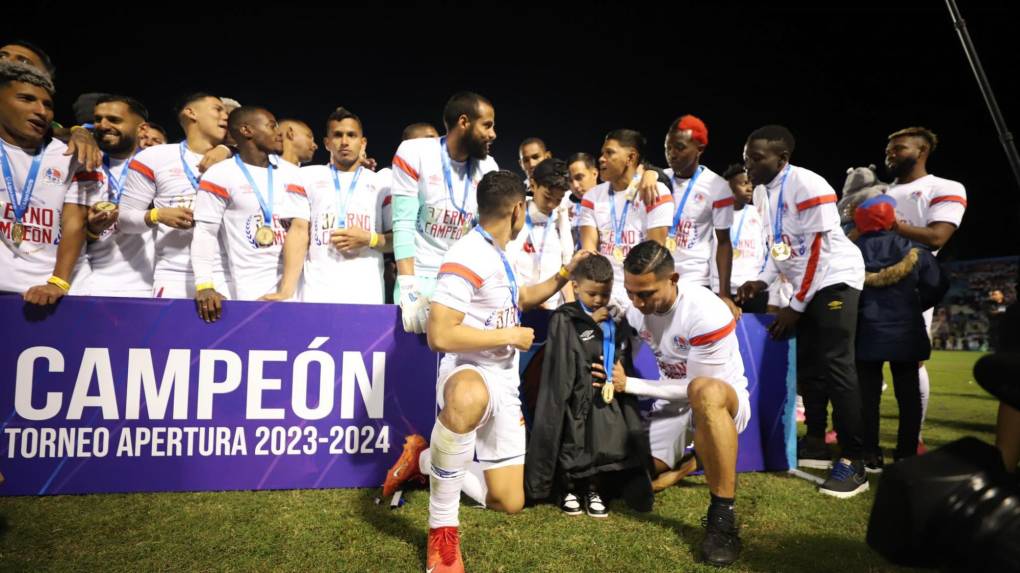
(157, 178)
(709, 208)
(821, 254)
(122, 263)
(473, 280)
(748, 232)
(442, 219)
(597, 212)
(540, 250)
(58, 182)
(331, 276)
(928, 200)
(694, 338)
(226, 198)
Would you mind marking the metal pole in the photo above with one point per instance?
(986, 90)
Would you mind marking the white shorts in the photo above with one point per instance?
(928, 316)
(184, 287)
(671, 426)
(501, 438)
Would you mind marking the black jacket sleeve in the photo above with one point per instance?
(932, 283)
(663, 178)
(558, 371)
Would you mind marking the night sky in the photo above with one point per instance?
(840, 79)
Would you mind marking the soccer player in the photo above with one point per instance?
(827, 271)
(584, 176)
(151, 134)
(434, 182)
(530, 153)
(929, 209)
(245, 197)
(42, 204)
(747, 236)
(346, 209)
(701, 381)
(613, 218)
(298, 141)
(160, 193)
(475, 320)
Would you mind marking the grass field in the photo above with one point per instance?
(786, 526)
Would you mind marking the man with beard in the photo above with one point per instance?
(434, 184)
(121, 263)
(807, 245)
(346, 210)
(160, 193)
(245, 195)
(929, 209)
(298, 141)
(530, 153)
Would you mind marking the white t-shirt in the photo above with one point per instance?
(709, 207)
(227, 199)
(748, 233)
(597, 212)
(696, 337)
(57, 183)
(473, 280)
(928, 200)
(158, 177)
(821, 255)
(121, 263)
(541, 249)
(329, 275)
(418, 171)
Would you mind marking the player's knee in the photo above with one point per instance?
(465, 398)
(507, 501)
(707, 393)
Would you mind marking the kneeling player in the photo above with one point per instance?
(701, 376)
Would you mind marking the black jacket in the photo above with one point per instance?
(575, 434)
(902, 281)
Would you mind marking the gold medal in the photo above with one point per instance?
(17, 234)
(618, 253)
(607, 392)
(264, 236)
(671, 244)
(736, 253)
(105, 206)
(780, 251)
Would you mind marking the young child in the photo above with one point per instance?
(747, 234)
(902, 280)
(583, 446)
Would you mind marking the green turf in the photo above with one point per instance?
(786, 525)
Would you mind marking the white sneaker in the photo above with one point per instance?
(570, 505)
(595, 507)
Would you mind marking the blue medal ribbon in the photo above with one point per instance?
(531, 237)
(20, 205)
(777, 225)
(608, 343)
(267, 209)
(187, 170)
(506, 266)
(736, 238)
(683, 201)
(341, 208)
(116, 185)
(444, 154)
(617, 226)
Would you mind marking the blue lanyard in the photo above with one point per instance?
(545, 234)
(617, 226)
(341, 208)
(187, 170)
(608, 343)
(683, 201)
(506, 266)
(444, 154)
(267, 209)
(777, 225)
(26, 192)
(740, 227)
(116, 185)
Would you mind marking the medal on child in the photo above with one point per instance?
(264, 235)
(19, 204)
(780, 250)
(608, 357)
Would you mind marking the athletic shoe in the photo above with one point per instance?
(721, 545)
(594, 506)
(813, 453)
(921, 448)
(571, 505)
(874, 463)
(406, 467)
(847, 479)
(443, 553)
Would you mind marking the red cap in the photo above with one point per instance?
(695, 126)
(876, 216)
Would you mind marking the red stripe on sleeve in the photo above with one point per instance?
(87, 176)
(715, 335)
(387, 200)
(660, 201)
(587, 204)
(214, 189)
(816, 201)
(723, 203)
(949, 199)
(812, 266)
(143, 169)
(291, 188)
(462, 272)
(405, 167)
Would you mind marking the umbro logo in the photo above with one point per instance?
(836, 305)
(587, 335)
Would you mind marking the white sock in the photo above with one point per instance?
(925, 385)
(473, 485)
(451, 453)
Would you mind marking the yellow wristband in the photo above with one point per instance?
(154, 215)
(74, 127)
(59, 282)
(374, 241)
(203, 286)
(564, 273)
(90, 234)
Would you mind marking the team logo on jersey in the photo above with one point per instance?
(681, 343)
(54, 176)
(915, 195)
(699, 197)
(587, 335)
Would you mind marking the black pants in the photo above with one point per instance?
(908, 396)
(826, 333)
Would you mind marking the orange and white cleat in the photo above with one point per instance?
(443, 553)
(406, 467)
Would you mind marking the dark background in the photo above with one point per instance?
(841, 78)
